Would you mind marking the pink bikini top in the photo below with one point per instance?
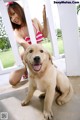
(39, 36)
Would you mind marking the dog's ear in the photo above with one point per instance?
(50, 57)
(25, 60)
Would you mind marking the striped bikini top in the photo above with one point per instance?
(39, 36)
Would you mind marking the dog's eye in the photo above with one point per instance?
(41, 51)
(30, 51)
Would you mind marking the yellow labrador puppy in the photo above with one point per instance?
(44, 76)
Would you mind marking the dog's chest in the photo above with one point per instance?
(41, 85)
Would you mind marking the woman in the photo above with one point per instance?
(21, 33)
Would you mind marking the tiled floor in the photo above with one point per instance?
(10, 102)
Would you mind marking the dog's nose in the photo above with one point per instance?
(37, 59)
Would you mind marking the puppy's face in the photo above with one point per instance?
(36, 58)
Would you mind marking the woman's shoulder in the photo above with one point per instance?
(17, 33)
(35, 20)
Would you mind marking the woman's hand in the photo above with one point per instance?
(44, 12)
(45, 29)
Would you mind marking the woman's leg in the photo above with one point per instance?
(16, 76)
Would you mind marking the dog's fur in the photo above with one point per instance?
(44, 76)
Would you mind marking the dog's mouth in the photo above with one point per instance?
(37, 67)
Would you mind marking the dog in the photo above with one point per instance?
(44, 76)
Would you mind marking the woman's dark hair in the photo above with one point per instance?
(19, 10)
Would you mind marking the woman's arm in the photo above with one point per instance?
(20, 40)
(43, 28)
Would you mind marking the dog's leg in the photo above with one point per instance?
(60, 100)
(29, 96)
(49, 96)
(66, 96)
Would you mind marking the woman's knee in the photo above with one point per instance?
(12, 82)
(16, 76)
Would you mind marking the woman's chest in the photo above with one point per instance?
(23, 32)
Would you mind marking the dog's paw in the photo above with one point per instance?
(60, 102)
(48, 115)
(24, 103)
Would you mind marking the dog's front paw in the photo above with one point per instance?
(48, 115)
(24, 103)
